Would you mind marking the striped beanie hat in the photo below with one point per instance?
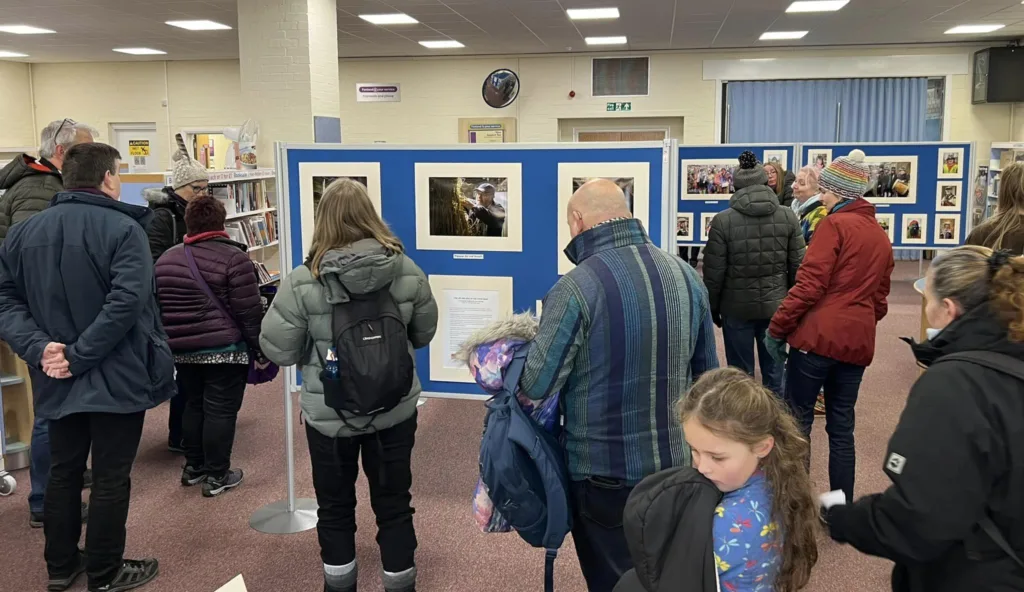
(846, 176)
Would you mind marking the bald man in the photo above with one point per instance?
(622, 337)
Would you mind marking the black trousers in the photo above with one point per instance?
(114, 439)
(598, 506)
(213, 396)
(176, 415)
(335, 470)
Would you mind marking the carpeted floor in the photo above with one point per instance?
(203, 543)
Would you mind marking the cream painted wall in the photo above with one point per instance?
(15, 107)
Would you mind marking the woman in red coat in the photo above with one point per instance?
(829, 316)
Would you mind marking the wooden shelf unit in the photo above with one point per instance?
(16, 393)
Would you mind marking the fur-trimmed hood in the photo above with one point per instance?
(158, 196)
(518, 327)
(489, 351)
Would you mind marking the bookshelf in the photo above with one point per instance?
(16, 400)
(1003, 155)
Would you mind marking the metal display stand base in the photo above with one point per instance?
(276, 518)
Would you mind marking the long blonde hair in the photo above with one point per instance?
(967, 276)
(1009, 216)
(346, 215)
(732, 405)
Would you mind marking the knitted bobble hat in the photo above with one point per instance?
(846, 176)
(185, 170)
(750, 172)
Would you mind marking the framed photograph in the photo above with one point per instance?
(892, 179)
(708, 179)
(949, 196)
(820, 158)
(464, 304)
(947, 229)
(705, 225)
(469, 207)
(779, 157)
(888, 223)
(914, 230)
(951, 163)
(684, 228)
(633, 178)
(314, 177)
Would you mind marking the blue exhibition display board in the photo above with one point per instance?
(921, 191)
(532, 182)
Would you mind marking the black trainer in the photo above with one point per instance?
(191, 476)
(133, 573)
(214, 486)
(59, 584)
(176, 447)
(35, 519)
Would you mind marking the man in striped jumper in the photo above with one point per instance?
(622, 337)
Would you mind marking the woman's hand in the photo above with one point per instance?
(777, 348)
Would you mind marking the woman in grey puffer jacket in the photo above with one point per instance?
(353, 252)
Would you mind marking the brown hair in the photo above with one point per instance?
(1009, 217)
(965, 276)
(346, 215)
(732, 405)
(780, 178)
(86, 165)
(204, 214)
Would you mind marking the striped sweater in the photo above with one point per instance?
(623, 335)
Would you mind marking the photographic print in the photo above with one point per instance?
(948, 196)
(705, 225)
(464, 305)
(779, 157)
(633, 178)
(915, 229)
(888, 223)
(947, 229)
(314, 177)
(892, 179)
(951, 163)
(469, 207)
(684, 228)
(708, 179)
(819, 158)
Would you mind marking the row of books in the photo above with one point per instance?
(257, 231)
(266, 276)
(239, 198)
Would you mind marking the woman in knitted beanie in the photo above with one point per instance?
(829, 317)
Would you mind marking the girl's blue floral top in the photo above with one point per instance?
(748, 545)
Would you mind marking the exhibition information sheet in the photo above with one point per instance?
(468, 311)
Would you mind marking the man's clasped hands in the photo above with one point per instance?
(54, 364)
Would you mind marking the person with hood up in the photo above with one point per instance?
(750, 262)
(781, 182)
(353, 252)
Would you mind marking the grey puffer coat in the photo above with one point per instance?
(754, 249)
(300, 318)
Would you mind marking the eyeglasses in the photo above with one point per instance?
(199, 189)
(61, 126)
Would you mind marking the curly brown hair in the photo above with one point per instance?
(204, 214)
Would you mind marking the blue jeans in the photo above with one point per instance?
(740, 339)
(805, 375)
(39, 464)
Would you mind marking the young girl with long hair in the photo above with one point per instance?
(745, 442)
(1005, 230)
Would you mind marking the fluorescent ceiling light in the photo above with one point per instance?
(757, 59)
(389, 19)
(973, 29)
(442, 44)
(24, 30)
(776, 35)
(12, 54)
(139, 51)
(584, 14)
(606, 40)
(817, 5)
(198, 25)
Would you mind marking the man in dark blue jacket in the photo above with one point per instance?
(78, 304)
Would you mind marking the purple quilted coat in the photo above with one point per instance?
(193, 322)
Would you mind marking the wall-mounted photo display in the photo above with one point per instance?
(315, 177)
(705, 224)
(779, 157)
(914, 229)
(469, 207)
(892, 179)
(951, 163)
(708, 179)
(684, 228)
(819, 158)
(949, 196)
(464, 305)
(633, 178)
(947, 229)
(888, 223)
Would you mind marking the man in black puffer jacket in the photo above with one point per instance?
(754, 249)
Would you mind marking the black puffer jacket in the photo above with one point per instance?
(753, 251)
(28, 185)
(168, 226)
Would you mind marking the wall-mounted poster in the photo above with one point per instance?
(684, 228)
(633, 178)
(779, 157)
(819, 158)
(888, 223)
(892, 179)
(314, 177)
(951, 163)
(464, 305)
(469, 207)
(708, 179)
(948, 196)
(705, 225)
(947, 229)
(914, 229)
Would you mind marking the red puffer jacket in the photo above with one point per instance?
(841, 288)
(191, 321)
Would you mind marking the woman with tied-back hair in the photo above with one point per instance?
(1005, 230)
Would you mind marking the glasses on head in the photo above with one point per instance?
(66, 121)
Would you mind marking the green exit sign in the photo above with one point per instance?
(618, 106)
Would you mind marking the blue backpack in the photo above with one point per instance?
(523, 467)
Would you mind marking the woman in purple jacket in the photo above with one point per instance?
(212, 341)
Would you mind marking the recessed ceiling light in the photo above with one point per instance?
(776, 35)
(817, 5)
(621, 40)
(198, 25)
(757, 59)
(139, 51)
(24, 30)
(584, 14)
(12, 54)
(442, 44)
(969, 29)
(389, 19)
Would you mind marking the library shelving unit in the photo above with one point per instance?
(16, 427)
(1003, 155)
